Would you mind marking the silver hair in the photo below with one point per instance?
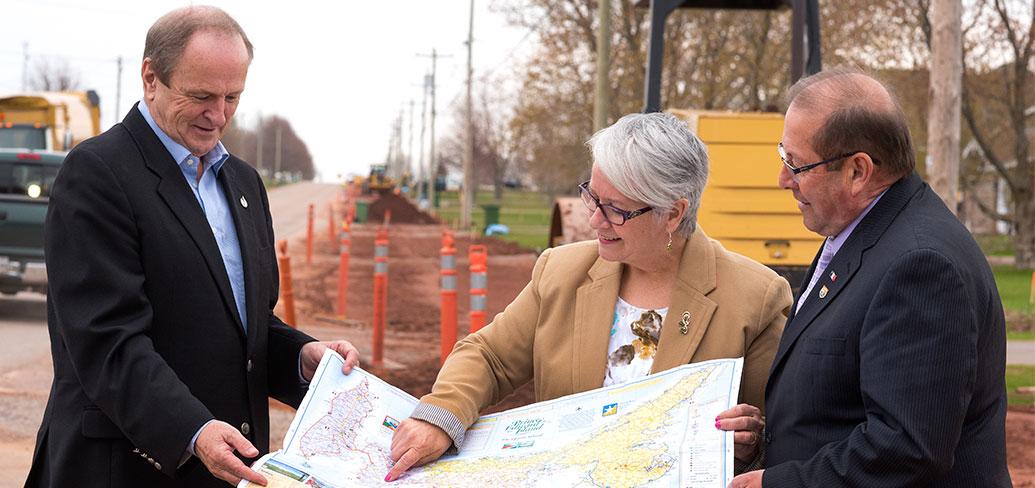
(654, 158)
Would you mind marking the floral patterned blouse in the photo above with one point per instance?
(634, 341)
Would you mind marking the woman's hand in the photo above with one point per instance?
(414, 443)
(746, 423)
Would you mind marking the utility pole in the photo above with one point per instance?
(423, 175)
(433, 158)
(409, 148)
(118, 90)
(25, 66)
(943, 122)
(276, 152)
(602, 92)
(391, 147)
(467, 197)
(258, 145)
(433, 161)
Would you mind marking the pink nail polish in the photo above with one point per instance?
(718, 425)
(388, 477)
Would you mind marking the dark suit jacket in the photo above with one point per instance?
(145, 334)
(896, 377)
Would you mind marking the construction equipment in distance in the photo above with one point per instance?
(53, 121)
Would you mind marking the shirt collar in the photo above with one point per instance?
(835, 242)
(213, 159)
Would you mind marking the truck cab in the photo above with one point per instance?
(26, 178)
(28, 136)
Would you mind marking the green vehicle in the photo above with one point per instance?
(26, 178)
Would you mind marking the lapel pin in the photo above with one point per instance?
(833, 276)
(684, 323)
(823, 292)
(244, 203)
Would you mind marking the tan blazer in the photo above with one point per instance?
(556, 331)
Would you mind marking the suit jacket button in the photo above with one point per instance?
(249, 366)
(245, 428)
(158, 466)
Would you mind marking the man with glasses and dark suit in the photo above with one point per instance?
(890, 370)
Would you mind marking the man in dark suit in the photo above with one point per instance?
(162, 283)
(890, 371)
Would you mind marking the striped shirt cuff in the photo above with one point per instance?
(443, 419)
(757, 463)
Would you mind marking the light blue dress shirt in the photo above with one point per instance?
(213, 204)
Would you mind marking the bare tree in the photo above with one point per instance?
(943, 135)
(53, 74)
(491, 136)
(295, 156)
(998, 106)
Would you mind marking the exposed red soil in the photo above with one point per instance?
(402, 211)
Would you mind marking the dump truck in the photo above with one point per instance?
(50, 121)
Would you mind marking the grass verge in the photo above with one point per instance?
(526, 213)
(1018, 376)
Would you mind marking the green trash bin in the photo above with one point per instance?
(361, 212)
(492, 215)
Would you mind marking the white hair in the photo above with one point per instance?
(655, 159)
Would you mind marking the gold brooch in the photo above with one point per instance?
(684, 323)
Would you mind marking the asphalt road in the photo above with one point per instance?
(1020, 352)
(290, 204)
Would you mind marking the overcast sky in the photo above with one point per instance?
(339, 71)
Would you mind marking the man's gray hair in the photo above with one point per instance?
(654, 158)
(168, 37)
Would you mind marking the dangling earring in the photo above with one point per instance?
(668, 247)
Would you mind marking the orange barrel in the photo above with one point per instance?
(330, 221)
(1031, 293)
(380, 294)
(309, 237)
(478, 255)
(343, 267)
(447, 284)
(287, 295)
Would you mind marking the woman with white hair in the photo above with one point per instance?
(652, 292)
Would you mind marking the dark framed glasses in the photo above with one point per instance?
(613, 214)
(796, 170)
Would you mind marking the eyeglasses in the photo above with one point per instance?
(613, 214)
(796, 170)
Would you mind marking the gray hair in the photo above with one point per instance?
(168, 37)
(654, 158)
